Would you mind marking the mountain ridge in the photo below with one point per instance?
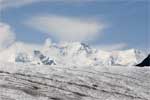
(73, 53)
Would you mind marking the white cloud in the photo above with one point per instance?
(67, 28)
(112, 47)
(7, 36)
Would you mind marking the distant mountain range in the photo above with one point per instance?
(75, 53)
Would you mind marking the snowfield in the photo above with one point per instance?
(41, 82)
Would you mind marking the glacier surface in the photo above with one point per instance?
(42, 82)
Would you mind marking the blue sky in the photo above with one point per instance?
(121, 23)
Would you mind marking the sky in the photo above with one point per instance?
(113, 24)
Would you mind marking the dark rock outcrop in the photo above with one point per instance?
(145, 62)
(43, 59)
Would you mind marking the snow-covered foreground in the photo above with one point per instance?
(39, 82)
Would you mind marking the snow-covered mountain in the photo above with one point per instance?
(73, 53)
(76, 72)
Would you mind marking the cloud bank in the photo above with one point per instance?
(66, 28)
(7, 36)
(113, 47)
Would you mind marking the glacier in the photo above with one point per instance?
(42, 82)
